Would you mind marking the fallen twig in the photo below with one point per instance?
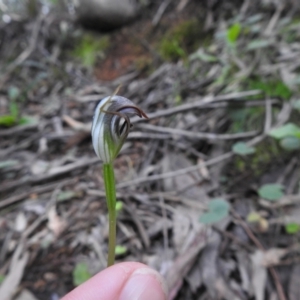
(199, 135)
(59, 171)
(26, 53)
(37, 190)
(258, 244)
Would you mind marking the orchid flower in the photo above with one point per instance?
(111, 126)
(110, 129)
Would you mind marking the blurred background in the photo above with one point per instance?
(208, 187)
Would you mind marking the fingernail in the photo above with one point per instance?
(144, 284)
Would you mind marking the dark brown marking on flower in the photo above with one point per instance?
(121, 116)
(139, 112)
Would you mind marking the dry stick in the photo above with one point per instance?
(293, 182)
(139, 225)
(283, 116)
(17, 129)
(287, 170)
(21, 145)
(176, 173)
(274, 20)
(199, 135)
(39, 190)
(160, 12)
(268, 120)
(64, 169)
(233, 237)
(284, 201)
(43, 217)
(22, 241)
(147, 135)
(183, 262)
(165, 218)
(258, 244)
(181, 5)
(202, 102)
(26, 53)
(208, 102)
(199, 104)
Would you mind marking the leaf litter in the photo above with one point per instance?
(219, 119)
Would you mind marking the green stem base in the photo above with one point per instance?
(110, 189)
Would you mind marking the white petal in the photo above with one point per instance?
(98, 128)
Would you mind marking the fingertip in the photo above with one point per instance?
(144, 284)
(126, 281)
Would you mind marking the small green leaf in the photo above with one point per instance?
(119, 206)
(242, 148)
(233, 33)
(81, 274)
(292, 228)
(286, 130)
(7, 120)
(218, 205)
(120, 250)
(218, 209)
(290, 143)
(272, 191)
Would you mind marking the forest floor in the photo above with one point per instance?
(208, 188)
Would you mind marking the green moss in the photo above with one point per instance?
(246, 119)
(89, 47)
(266, 153)
(182, 40)
(171, 49)
(271, 88)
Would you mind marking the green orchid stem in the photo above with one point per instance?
(110, 189)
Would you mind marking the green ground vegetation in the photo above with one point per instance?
(183, 39)
(89, 47)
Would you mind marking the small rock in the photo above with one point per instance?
(105, 15)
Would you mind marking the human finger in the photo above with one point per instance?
(124, 281)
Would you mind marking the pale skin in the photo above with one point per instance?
(123, 281)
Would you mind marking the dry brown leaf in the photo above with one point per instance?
(25, 295)
(75, 124)
(15, 274)
(55, 223)
(294, 285)
(259, 274)
(186, 227)
(20, 222)
(181, 228)
(244, 268)
(39, 167)
(194, 277)
(158, 226)
(272, 256)
(203, 169)
(183, 264)
(211, 275)
(185, 184)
